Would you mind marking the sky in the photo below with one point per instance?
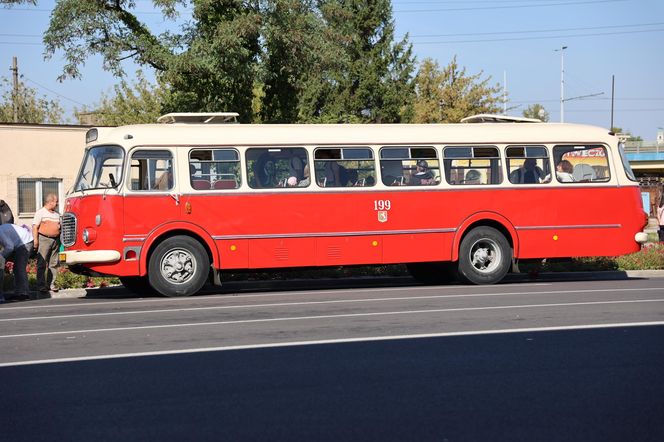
(515, 43)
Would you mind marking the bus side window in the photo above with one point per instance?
(472, 165)
(275, 167)
(344, 167)
(581, 164)
(528, 164)
(214, 169)
(412, 166)
(151, 170)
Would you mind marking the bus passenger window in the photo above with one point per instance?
(213, 169)
(471, 165)
(344, 167)
(412, 166)
(151, 170)
(528, 164)
(277, 167)
(581, 164)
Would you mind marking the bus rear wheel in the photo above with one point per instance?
(484, 256)
(178, 266)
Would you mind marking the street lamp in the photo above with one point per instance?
(562, 83)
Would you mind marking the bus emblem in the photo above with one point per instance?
(382, 216)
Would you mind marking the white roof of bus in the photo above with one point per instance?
(351, 134)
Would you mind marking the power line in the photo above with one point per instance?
(537, 38)
(52, 91)
(531, 31)
(509, 7)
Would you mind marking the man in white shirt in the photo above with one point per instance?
(46, 231)
(16, 242)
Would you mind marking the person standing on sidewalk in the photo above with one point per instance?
(16, 242)
(46, 231)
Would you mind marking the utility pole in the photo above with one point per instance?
(504, 92)
(14, 70)
(562, 83)
(613, 90)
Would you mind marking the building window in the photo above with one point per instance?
(32, 193)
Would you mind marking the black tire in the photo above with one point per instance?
(178, 266)
(137, 284)
(485, 256)
(432, 273)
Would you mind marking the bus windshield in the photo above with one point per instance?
(102, 168)
(625, 162)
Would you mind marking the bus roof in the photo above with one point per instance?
(352, 134)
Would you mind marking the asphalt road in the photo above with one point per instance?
(527, 361)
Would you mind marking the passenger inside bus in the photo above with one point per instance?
(472, 177)
(422, 175)
(528, 173)
(265, 171)
(307, 177)
(564, 172)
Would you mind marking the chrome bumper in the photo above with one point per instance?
(88, 257)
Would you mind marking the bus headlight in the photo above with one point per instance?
(89, 235)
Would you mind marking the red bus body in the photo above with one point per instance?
(249, 228)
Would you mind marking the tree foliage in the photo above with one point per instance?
(269, 60)
(370, 80)
(31, 108)
(139, 102)
(450, 94)
(536, 111)
(312, 60)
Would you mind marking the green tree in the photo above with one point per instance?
(218, 70)
(140, 102)
(371, 79)
(293, 43)
(209, 66)
(308, 60)
(31, 108)
(450, 94)
(536, 111)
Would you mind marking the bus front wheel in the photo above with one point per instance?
(484, 256)
(178, 266)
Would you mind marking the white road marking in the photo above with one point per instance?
(305, 303)
(224, 296)
(318, 317)
(333, 341)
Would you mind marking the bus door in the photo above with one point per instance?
(151, 196)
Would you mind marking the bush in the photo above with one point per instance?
(650, 257)
(64, 278)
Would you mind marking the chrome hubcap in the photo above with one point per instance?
(178, 266)
(485, 255)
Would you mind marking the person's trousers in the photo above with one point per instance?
(47, 261)
(3, 262)
(20, 257)
(661, 233)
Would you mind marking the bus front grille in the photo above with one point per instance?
(68, 230)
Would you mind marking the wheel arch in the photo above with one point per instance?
(163, 232)
(489, 219)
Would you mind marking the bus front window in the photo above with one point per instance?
(625, 162)
(102, 168)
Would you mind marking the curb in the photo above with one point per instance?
(299, 284)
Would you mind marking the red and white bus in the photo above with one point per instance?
(171, 205)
